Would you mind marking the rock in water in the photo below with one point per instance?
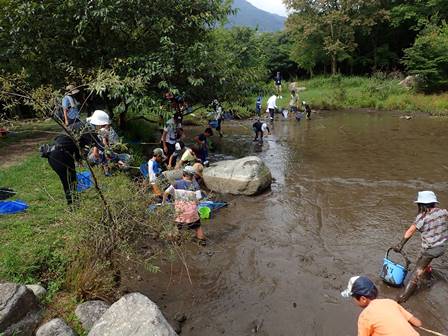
(55, 327)
(246, 176)
(133, 315)
(16, 301)
(88, 313)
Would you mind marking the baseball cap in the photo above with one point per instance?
(189, 170)
(360, 285)
(158, 152)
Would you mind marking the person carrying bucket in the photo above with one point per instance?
(432, 222)
(383, 317)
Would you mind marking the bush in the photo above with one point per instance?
(428, 58)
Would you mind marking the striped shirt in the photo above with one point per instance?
(433, 226)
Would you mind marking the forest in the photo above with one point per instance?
(125, 54)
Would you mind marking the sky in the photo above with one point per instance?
(273, 6)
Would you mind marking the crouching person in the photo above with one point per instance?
(380, 316)
(187, 193)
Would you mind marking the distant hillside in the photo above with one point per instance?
(251, 16)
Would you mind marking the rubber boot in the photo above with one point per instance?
(421, 265)
(408, 291)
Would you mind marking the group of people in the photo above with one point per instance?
(385, 317)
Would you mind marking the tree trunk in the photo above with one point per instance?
(334, 67)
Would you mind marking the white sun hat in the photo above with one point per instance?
(426, 197)
(99, 118)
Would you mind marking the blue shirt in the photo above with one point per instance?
(73, 111)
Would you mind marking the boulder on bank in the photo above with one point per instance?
(246, 176)
(16, 303)
(38, 291)
(55, 327)
(133, 315)
(88, 313)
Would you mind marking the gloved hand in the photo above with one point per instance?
(397, 248)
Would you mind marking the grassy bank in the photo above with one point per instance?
(366, 92)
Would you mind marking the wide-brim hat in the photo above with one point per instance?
(426, 197)
(99, 118)
(71, 89)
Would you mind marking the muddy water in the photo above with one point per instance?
(343, 192)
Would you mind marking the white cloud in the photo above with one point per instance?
(273, 6)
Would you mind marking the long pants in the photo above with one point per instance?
(271, 113)
(424, 260)
(64, 165)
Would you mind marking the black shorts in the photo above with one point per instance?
(191, 226)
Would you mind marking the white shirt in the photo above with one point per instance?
(272, 102)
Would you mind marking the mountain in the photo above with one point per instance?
(250, 16)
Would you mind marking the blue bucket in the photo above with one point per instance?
(393, 273)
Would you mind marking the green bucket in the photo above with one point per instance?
(204, 212)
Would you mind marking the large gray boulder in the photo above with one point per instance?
(55, 327)
(409, 82)
(246, 176)
(88, 313)
(133, 315)
(26, 326)
(16, 301)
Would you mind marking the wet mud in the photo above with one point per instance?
(343, 193)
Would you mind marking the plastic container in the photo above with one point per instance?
(84, 181)
(204, 212)
(393, 273)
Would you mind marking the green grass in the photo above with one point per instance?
(354, 92)
(33, 242)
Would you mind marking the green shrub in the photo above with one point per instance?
(428, 58)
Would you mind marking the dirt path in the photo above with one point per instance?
(13, 152)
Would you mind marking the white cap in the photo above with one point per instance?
(189, 170)
(426, 197)
(348, 291)
(99, 118)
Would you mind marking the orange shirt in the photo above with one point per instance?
(385, 317)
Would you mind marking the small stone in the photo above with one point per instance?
(89, 312)
(38, 291)
(294, 305)
(180, 317)
(55, 327)
(139, 278)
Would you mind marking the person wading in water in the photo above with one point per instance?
(432, 222)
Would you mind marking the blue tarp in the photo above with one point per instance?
(12, 207)
(84, 181)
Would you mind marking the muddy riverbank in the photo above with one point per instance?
(343, 192)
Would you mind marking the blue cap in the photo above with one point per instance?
(362, 286)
